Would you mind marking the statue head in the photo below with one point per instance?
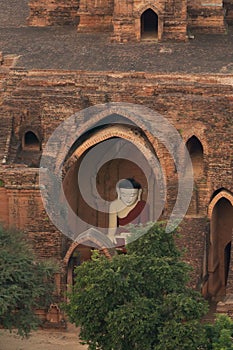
(129, 191)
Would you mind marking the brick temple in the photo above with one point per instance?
(129, 20)
(90, 53)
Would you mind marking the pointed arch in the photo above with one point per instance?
(120, 131)
(199, 130)
(221, 193)
(149, 6)
(194, 144)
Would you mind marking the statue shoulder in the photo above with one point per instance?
(116, 205)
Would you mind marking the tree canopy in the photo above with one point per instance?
(139, 300)
(26, 284)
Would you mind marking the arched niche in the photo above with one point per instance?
(30, 141)
(219, 256)
(195, 149)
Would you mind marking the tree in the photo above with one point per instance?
(220, 333)
(26, 284)
(139, 300)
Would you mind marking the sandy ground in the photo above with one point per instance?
(42, 340)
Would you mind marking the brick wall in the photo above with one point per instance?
(49, 12)
(123, 17)
(207, 16)
(199, 105)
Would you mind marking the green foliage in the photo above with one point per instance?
(181, 335)
(139, 300)
(25, 284)
(220, 334)
(155, 241)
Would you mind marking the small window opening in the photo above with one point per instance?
(31, 141)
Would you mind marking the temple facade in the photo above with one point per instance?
(36, 102)
(35, 99)
(135, 20)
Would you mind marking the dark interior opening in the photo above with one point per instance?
(31, 141)
(149, 23)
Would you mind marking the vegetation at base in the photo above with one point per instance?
(139, 300)
(26, 284)
(220, 334)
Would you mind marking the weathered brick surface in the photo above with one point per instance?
(39, 100)
(95, 16)
(48, 12)
(228, 6)
(206, 16)
(22, 208)
(199, 105)
(123, 18)
(192, 241)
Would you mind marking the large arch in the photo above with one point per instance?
(132, 134)
(121, 167)
(109, 174)
(124, 130)
(141, 118)
(98, 117)
(220, 212)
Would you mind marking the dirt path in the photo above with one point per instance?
(42, 340)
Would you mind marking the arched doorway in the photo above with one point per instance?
(221, 226)
(149, 24)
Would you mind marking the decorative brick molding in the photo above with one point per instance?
(128, 133)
